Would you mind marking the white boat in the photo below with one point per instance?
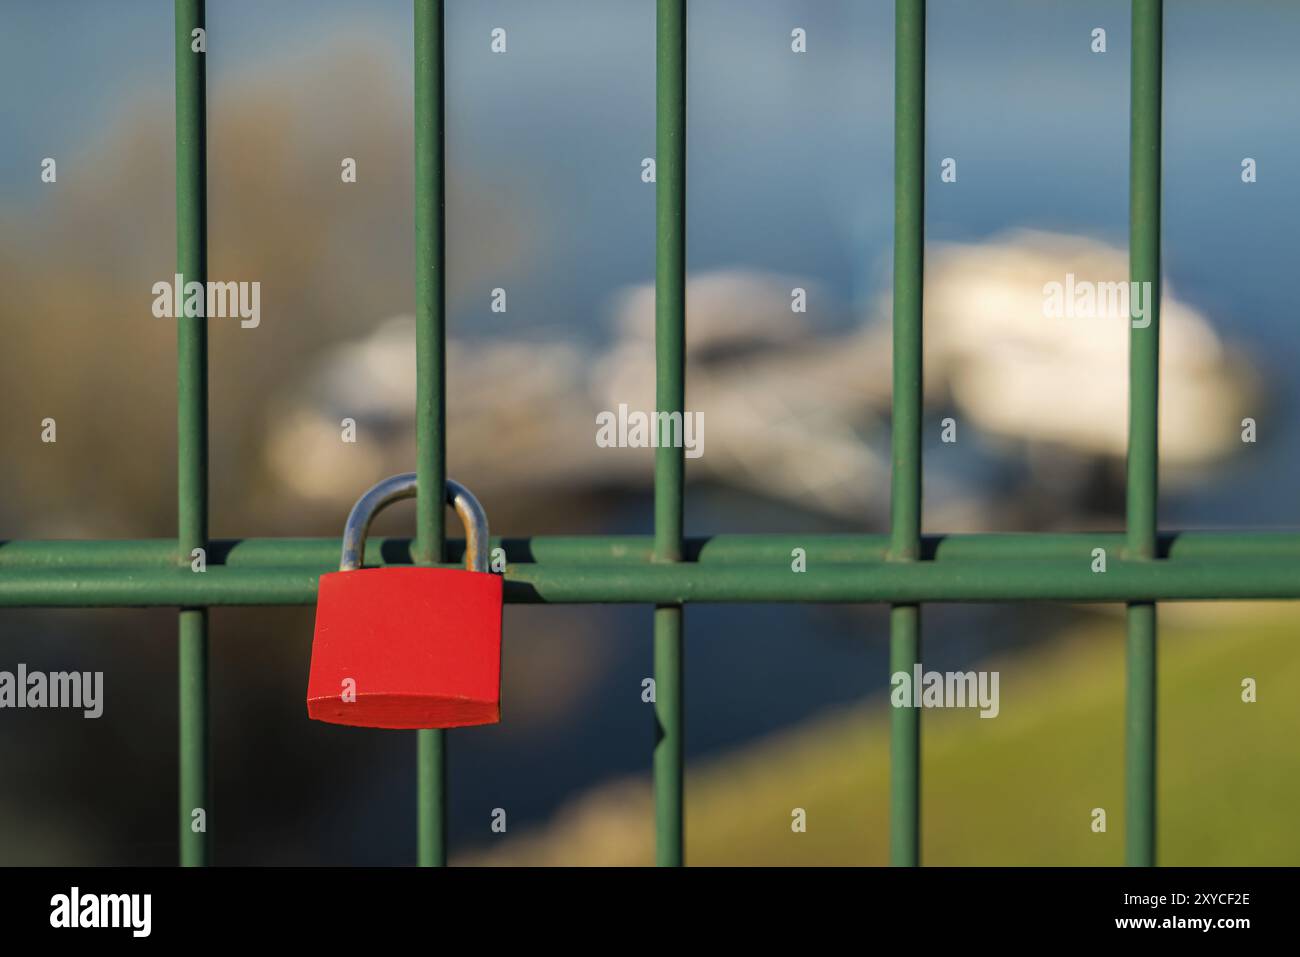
(791, 412)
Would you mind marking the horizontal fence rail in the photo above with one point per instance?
(321, 554)
(973, 568)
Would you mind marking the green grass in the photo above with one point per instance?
(1017, 789)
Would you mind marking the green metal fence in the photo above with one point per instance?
(904, 569)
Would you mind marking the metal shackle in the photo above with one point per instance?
(398, 487)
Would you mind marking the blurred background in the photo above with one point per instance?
(790, 186)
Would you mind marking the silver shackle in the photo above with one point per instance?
(398, 487)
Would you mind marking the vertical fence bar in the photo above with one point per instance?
(905, 492)
(1144, 389)
(430, 384)
(192, 425)
(670, 396)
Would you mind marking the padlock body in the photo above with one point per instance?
(407, 647)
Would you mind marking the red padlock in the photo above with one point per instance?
(408, 647)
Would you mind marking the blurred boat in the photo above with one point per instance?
(1063, 382)
(789, 412)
